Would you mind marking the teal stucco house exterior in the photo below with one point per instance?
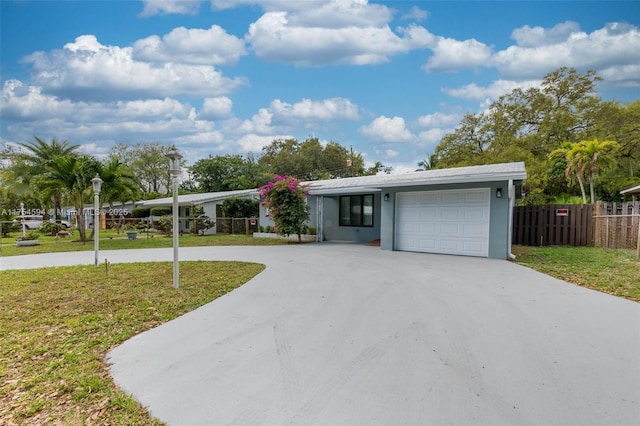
(460, 211)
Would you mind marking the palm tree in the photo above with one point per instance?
(429, 163)
(596, 154)
(40, 156)
(118, 183)
(584, 160)
(72, 174)
(571, 153)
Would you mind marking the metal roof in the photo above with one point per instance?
(485, 173)
(195, 199)
(632, 190)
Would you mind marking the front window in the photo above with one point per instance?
(356, 210)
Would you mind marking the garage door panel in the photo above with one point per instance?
(476, 214)
(474, 230)
(449, 222)
(427, 228)
(449, 229)
(450, 214)
(428, 214)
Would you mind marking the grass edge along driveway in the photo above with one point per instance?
(57, 324)
(612, 271)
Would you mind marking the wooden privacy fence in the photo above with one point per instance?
(553, 224)
(611, 225)
(234, 225)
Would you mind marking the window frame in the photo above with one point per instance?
(361, 215)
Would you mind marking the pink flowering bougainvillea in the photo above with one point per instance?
(285, 198)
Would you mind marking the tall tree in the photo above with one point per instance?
(228, 173)
(570, 154)
(73, 173)
(149, 164)
(309, 160)
(429, 163)
(584, 160)
(29, 165)
(527, 125)
(596, 155)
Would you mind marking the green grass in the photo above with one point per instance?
(613, 271)
(57, 324)
(113, 241)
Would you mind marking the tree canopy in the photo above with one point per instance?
(309, 160)
(528, 125)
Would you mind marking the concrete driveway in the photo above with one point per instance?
(345, 334)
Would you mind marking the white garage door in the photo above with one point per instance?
(449, 222)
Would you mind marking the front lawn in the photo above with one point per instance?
(611, 271)
(110, 240)
(57, 324)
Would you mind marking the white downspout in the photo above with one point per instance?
(512, 202)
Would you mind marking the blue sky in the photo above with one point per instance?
(388, 79)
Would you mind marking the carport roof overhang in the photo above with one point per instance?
(631, 191)
(197, 199)
(460, 175)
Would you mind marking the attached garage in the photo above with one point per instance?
(448, 222)
(463, 211)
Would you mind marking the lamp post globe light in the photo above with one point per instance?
(174, 168)
(97, 186)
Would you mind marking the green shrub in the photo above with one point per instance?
(50, 228)
(240, 207)
(31, 235)
(201, 222)
(164, 225)
(141, 212)
(161, 211)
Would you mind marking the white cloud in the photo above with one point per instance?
(493, 91)
(615, 46)
(432, 136)
(213, 108)
(327, 109)
(35, 113)
(260, 123)
(388, 130)
(451, 55)
(86, 69)
(191, 46)
(416, 14)
(538, 36)
(621, 76)
(273, 38)
(438, 119)
(168, 7)
(255, 143)
(390, 153)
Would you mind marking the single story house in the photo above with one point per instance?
(210, 201)
(463, 211)
(633, 191)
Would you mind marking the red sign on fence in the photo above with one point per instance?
(562, 212)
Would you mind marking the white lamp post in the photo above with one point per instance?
(24, 229)
(174, 168)
(97, 185)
